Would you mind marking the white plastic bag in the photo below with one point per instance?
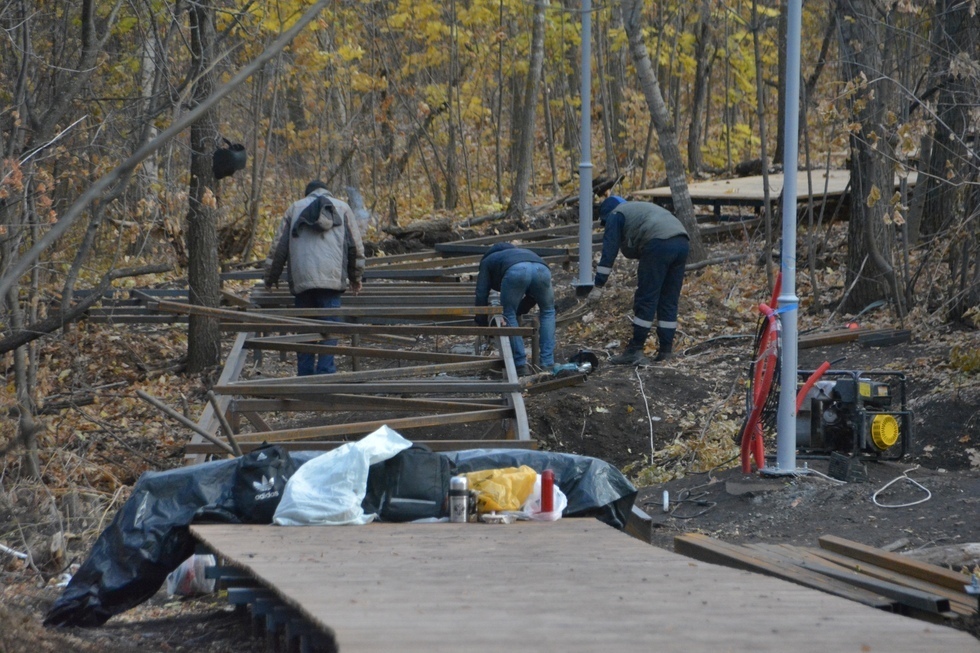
(532, 507)
(329, 489)
(190, 578)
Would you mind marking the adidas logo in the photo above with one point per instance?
(265, 484)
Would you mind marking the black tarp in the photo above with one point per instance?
(149, 536)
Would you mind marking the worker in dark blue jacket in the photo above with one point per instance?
(523, 279)
(653, 235)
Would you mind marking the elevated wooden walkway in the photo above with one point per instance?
(417, 387)
(431, 372)
(827, 185)
(570, 586)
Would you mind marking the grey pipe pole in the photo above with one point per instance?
(584, 283)
(788, 301)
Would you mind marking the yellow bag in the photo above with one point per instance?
(502, 489)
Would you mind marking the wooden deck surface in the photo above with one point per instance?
(750, 190)
(575, 585)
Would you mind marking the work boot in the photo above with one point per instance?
(630, 356)
(663, 356)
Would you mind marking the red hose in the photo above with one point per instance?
(765, 369)
(777, 287)
(801, 395)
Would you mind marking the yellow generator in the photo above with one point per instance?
(862, 414)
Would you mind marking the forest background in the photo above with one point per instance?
(462, 111)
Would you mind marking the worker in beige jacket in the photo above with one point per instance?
(322, 245)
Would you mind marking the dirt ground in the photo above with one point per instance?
(670, 427)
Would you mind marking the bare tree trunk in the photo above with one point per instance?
(965, 264)
(872, 177)
(570, 85)
(704, 53)
(525, 151)
(203, 281)
(777, 154)
(452, 157)
(452, 165)
(616, 62)
(498, 108)
(549, 124)
(259, 161)
(667, 136)
(760, 89)
(955, 35)
(606, 102)
(26, 426)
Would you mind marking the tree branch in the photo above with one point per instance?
(54, 322)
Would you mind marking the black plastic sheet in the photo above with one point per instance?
(149, 536)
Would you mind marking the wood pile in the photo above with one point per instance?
(862, 336)
(874, 577)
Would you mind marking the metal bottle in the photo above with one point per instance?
(458, 499)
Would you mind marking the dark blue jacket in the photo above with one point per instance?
(630, 227)
(493, 267)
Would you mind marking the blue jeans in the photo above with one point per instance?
(533, 280)
(317, 298)
(660, 277)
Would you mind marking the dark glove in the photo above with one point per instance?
(600, 280)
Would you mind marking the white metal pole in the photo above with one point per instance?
(584, 284)
(788, 301)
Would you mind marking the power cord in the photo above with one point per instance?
(903, 477)
(687, 496)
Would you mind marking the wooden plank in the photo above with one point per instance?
(386, 373)
(416, 275)
(130, 318)
(453, 266)
(895, 562)
(282, 343)
(357, 403)
(826, 184)
(574, 586)
(905, 595)
(232, 299)
(908, 596)
(514, 398)
(150, 294)
(730, 228)
(203, 448)
(401, 299)
(960, 602)
(419, 387)
(256, 420)
(702, 547)
(842, 336)
(462, 250)
(523, 236)
(363, 428)
(344, 328)
(462, 310)
(234, 363)
(852, 335)
(884, 337)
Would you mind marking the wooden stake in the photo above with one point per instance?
(153, 401)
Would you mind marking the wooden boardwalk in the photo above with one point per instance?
(750, 191)
(575, 585)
